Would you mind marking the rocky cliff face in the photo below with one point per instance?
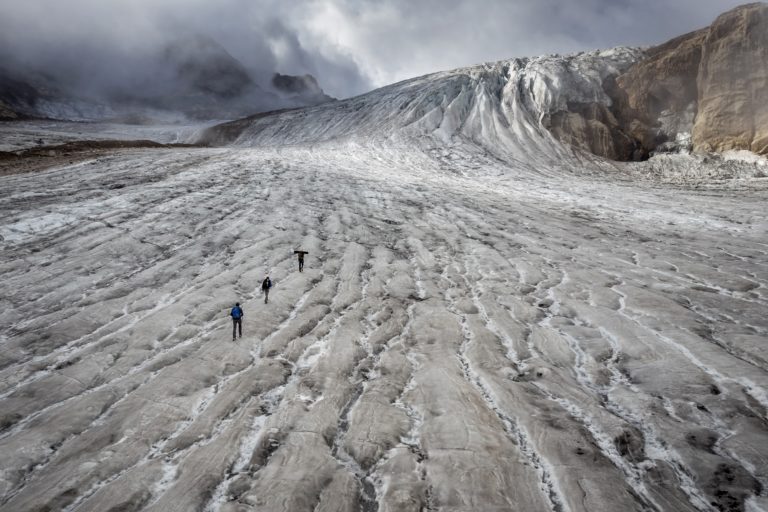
(733, 83)
(706, 91)
(303, 88)
(203, 66)
(657, 97)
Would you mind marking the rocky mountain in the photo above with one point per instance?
(707, 91)
(733, 82)
(204, 66)
(704, 91)
(192, 76)
(304, 87)
(28, 94)
(12, 93)
(503, 109)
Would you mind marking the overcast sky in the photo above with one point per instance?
(351, 46)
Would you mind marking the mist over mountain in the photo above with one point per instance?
(192, 76)
(94, 50)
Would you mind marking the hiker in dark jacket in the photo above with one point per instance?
(301, 259)
(265, 286)
(237, 320)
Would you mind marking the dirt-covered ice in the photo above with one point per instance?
(466, 335)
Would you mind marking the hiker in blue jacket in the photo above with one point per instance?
(237, 320)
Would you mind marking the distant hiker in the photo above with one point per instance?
(237, 320)
(265, 286)
(301, 259)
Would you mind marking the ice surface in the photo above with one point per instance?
(486, 320)
(19, 135)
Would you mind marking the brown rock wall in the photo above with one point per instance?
(711, 84)
(733, 83)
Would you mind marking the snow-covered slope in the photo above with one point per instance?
(499, 107)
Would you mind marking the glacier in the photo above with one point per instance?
(487, 320)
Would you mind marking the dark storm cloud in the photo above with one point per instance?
(94, 45)
(349, 45)
(400, 38)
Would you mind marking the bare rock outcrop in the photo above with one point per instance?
(733, 83)
(301, 87)
(7, 113)
(657, 97)
(705, 91)
(593, 127)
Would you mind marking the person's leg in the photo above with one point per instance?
(234, 328)
(240, 326)
(266, 295)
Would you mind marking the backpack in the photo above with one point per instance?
(236, 312)
(267, 284)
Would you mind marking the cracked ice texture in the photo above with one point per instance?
(489, 339)
(487, 320)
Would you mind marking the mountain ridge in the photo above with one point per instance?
(621, 104)
(193, 76)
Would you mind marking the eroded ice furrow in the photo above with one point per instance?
(273, 397)
(636, 473)
(514, 431)
(206, 331)
(555, 233)
(246, 449)
(605, 442)
(411, 441)
(725, 433)
(248, 446)
(512, 354)
(656, 447)
(172, 462)
(367, 497)
(101, 419)
(70, 350)
(711, 337)
(755, 391)
(170, 466)
(155, 451)
(292, 315)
